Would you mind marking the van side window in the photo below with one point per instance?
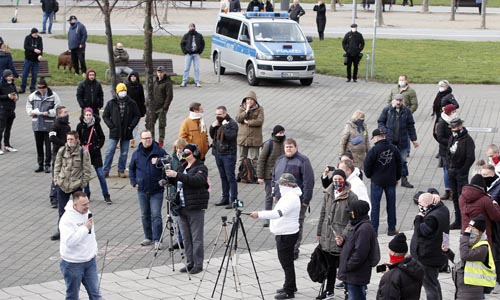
(228, 27)
(244, 31)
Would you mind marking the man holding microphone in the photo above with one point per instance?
(78, 248)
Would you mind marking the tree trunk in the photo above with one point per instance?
(378, 10)
(452, 16)
(483, 14)
(164, 17)
(333, 5)
(425, 6)
(148, 58)
(106, 10)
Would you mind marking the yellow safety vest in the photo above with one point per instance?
(477, 273)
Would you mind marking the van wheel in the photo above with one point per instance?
(217, 67)
(251, 77)
(306, 81)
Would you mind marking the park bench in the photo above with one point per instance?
(43, 68)
(465, 3)
(138, 66)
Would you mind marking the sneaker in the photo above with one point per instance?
(284, 296)
(107, 199)
(42, 32)
(197, 84)
(282, 290)
(146, 242)
(185, 269)
(196, 270)
(10, 149)
(158, 246)
(1, 152)
(328, 296)
(183, 84)
(340, 285)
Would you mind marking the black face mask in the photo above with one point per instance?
(489, 180)
(281, 139)
(64, 119)
(220, 119)
(359, 123)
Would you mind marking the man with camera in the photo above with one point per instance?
(145, 175)
(121, 60)
(192, 193)
(78, 248)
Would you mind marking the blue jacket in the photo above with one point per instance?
(6, 62)
(387, 120)
(300, 167)
(77, 35)
(143, 173)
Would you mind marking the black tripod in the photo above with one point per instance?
(172, 229)
(231, 249)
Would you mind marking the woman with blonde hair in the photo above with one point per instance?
(355, 138)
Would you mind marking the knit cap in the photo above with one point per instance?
(121, 87)
(277, 129)
(449, 108)
(339, 172)
(398, 243)
(479, 223)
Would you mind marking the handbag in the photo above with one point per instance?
(357, 140)
(87, 146)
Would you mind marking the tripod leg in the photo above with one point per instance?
(250, 254)
(155, 252)
(234, 234)
(228, 249)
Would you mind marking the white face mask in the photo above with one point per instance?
(402, 83)
(354, 29)
(442, 89)
(122, 94)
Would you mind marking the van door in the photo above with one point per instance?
(245, 48)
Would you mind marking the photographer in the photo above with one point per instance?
(144, 177)
(404, 278)
(192, 192)
(121, 60)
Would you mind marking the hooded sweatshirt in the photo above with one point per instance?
(77, 244)
(285, 215)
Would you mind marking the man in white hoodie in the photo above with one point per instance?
(285, 226)
(78, 248)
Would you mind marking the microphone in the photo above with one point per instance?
(90, 216)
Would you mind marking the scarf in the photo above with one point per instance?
(446, 118)
(90, 123)
(121, 104)
(195, 116)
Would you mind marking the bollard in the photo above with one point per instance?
(367, 60)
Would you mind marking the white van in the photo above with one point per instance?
(262, 45)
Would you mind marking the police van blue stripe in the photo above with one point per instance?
(233, 45)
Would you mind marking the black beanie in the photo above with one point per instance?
(7, 72)
(478, 181)
(193, 148)
(479, 223)
(398, 243)
(339, 172)
(277, 129)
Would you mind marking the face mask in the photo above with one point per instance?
(422, 209)
(393, 259)
(64, 119)
(281, 138)
(339, 185)
(473, 237)
(402, 83)
(359, 123)
(442, 89)
(122, 94)
(393, 103)
(495, 159)
(186, 154)
(220, 119)
(490, 180)
(9, 81)
(354, 29)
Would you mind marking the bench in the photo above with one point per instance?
(43, 68)
(138, 66)
(465, 3)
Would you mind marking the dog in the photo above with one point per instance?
(64, 60)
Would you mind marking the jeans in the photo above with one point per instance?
(102, 182)
(431, 283)
(6, 120)
(352, 60)
(46, 16)
(123, 69)
(457, 182)
(110, 153)
(151, 214)
(42, 140)
(76, 273)
(33, 66)
(195, 59)
(390, 197)
(356, 292)
(78, 60)
(192, 223)
(285, 245)
(404, 164)
(226, 163)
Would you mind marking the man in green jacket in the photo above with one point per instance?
(158, 106)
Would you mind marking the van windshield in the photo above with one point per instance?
(277, 32)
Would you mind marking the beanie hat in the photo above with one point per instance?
(251, 94)
(193, 148)
(478, 181)
(88, 109)
(359, 207)
(449, 108)
(277, 129)
(121, 87)
(34, 30)
(398, 243)
(479, 223)
(7, 72)
(339, 172)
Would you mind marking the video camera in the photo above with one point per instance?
(165, 162)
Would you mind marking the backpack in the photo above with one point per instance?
(317, 268)
(246, 172)
(56, 6)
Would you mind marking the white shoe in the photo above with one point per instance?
(10, 149)
(183, 84)
(158, 246)
(1, 152)
(146, 242)
(197, 85)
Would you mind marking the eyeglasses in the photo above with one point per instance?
(146, 138)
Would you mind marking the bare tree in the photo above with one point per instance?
(379, 11)
(148, 55)
(483, 13)
(332, 5)
(425, 6)
(453, 9)
(106, 10)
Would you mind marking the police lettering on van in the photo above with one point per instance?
(262, 45)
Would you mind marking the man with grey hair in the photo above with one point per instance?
(121, 60)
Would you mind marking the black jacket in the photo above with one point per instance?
(442, 99)
(194, 185)
(187, 40)
(96, 141)
(30, 44)
(387, 122)
(255, 3)
(443, 134)
(355, 258)
(320, 16)
(226, 144)
(428, 236)
(353, 43)
(460, 153)
(57, 134)
(402, 281)
(89, 94)
(235, 6)
(6, 62)
(383, 164)
(6, 104)
(135, 90)
(48, 6)
(121, 128)
(296, 12)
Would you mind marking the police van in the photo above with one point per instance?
(262, 45)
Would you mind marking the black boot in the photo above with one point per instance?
(405, 183)
(446, 195)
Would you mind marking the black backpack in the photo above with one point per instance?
(317, 268)
(246, 172)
